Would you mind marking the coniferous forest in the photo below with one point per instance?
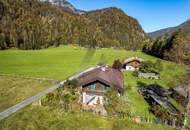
(32, 24)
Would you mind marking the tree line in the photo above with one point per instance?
(30, 24)
(175, 47)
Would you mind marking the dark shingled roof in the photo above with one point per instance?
(157, 94)
(106, 75)
(158, 90)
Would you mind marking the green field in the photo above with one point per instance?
(14, 89)
(59, 63)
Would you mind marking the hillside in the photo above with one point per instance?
(116, 28)
(171, 44)
(36, 25)
(57, 63)
(168, 31)
(64, 4)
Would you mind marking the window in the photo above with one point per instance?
(100, 87)
(103, 87)
(93, 87)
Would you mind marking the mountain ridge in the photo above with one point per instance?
(168, 31)
(171, 44)
(66, 5)
(43, 25)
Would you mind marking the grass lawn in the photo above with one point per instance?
(13, 90)
(44, 118)
(59, 63)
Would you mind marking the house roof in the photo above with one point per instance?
(183, 90)
(140, 74)
(159, 95)
(158, 90)
(133, 59)
(106, 75)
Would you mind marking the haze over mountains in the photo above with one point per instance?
(168, 31)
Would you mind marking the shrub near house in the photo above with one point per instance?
(64, 97)
(94, 84)
(150, 70)
(90, 91)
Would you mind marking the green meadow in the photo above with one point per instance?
(60, 63)
(14, 89)
(45, 118)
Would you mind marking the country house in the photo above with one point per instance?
(132, 64)
(95, 83)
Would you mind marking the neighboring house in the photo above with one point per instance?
(95, 83)
(132, 64)
(181, 94)
(155, 94)
(148, 75)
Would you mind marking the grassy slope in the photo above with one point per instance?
(44, 118)
(59, 63)
(14, 90)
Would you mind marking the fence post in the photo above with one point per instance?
(174, 123)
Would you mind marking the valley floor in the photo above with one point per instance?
(59, 63)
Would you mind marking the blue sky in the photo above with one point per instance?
(151, 14)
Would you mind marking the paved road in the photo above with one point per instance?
(37, 97)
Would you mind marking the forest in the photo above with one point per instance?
(174, 47)
(31, 24)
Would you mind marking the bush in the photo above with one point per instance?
(117, 65)
(116, 105)
(63, 97)
(72, 83)
(161, 113)
(158, 65)
(149, 66)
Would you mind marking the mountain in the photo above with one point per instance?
(115, 27)
(168, 31)
(39, 24)
(171, 44)
(65, 5)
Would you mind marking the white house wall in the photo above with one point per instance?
(87, 97)
(130, 68)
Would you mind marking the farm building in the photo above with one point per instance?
(155, 94)
(148, 75)
(132, 64)
(181, 94)
(94, 84)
